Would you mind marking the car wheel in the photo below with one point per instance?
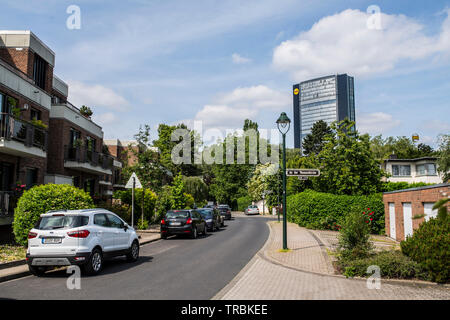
(95, 263)
(133, 255)
(194, 233)
(163, 236)
(205, 230)
(37, 271)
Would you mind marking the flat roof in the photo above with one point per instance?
(420, 188)
(412, 160)
(324, 77)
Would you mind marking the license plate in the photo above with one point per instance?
(175, 223)
(51, 240)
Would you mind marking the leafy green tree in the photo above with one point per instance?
(197, 188)
(178, 196)
(402, 147)
(313, 142)
(148, 168)
(165, 145)
(444, 157)
(347, 164)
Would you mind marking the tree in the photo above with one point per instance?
(444, 157)
(178, 196)
(402, 147)
(165, 145)
(313, 142)
(147, 166)
(347, 164)
(196, 187)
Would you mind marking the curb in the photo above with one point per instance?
(13, 264)
(22, 274)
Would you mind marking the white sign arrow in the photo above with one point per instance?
(137, 183)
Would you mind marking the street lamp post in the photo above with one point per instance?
(284, 124)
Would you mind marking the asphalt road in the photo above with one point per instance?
(177, 268)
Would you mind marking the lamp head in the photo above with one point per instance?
(283, 122)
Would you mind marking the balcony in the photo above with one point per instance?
(21, 138)
(83, 159)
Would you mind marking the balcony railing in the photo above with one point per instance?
(85, 155)
(12, 128)
(7, 203)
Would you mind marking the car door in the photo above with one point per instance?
(121, 236)
(197, 221)
(104, 232)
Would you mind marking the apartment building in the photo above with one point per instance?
(43, 137)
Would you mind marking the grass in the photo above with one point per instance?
(10, 253)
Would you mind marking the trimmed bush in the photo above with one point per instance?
(394, 186)
(430, 247)
(393, 265)
(354, 237)
(243, 203)
(325, 211)
(43, 198)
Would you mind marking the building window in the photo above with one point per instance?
(75, 135)
(401, 170)
(76, 182)
(35, 114)
(39, 71)
(31, 177)
(427, 169)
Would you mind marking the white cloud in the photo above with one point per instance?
(238, 59)
(96, 96)
(343, 43)
(437, 125)
(375, 123)
(104, 119)
(229, 110)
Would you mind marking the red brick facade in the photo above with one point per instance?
(417, 197)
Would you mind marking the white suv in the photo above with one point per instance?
(79, 237)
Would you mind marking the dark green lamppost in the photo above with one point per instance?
(284, 123)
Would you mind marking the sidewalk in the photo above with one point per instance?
(20, 271)
(306, 273)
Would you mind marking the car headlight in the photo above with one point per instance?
(209, 220)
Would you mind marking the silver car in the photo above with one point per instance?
(252, 210)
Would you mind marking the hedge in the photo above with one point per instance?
(43, 198)
(430, 247)
(149, 201)
(394, 186)
(243, 203)
(316, 210)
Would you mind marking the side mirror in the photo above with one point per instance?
(126, 226)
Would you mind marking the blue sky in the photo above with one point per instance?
(149, 62)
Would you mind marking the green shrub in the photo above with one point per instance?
(393, 265)
(243, 203)
(316, 210)
(163, 202)
(430, 247)
(388, 186)
(189, 201)
(142, 224)
(42, 198)
(354, 237)
(122, 210)
(126, 199)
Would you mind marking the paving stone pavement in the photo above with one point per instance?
(272, 275)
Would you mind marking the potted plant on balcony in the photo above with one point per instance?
(86, 111)
(78, 143)
(39, 124)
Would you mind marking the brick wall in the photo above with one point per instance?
(23, 60)
(417, 198)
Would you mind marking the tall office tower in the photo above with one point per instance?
(330, 98)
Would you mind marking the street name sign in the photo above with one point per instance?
(306, 173)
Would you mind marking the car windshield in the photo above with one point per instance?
(61, 222)
(205, 213)
(177, 214)
(252, 207)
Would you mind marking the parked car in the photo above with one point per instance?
(252, 209)
(79, 237)
(212, 217)
(225, 211)
(183, 222)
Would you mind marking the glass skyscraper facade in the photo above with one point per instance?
(330, 99)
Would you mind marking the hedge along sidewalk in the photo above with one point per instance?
(19, 269)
